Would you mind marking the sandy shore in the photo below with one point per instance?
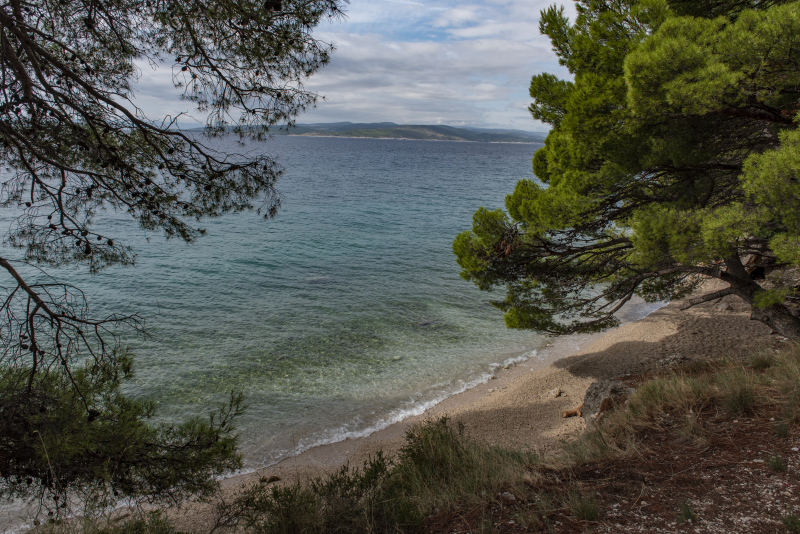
(517, 408)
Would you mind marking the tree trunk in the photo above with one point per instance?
(777, 317)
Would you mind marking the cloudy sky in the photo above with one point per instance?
(449, 62)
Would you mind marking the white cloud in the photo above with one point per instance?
(458, 16)
(405, 61)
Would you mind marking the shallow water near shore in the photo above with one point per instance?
(342, 315)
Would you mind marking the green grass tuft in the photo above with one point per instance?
(685, 513)
(792, 522)
(584, 507)
(762, 361)
(782, 429)
(738, 392)
(777, 464)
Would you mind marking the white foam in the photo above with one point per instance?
(353, 429)
(414, 407)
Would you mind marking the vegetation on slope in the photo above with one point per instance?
(673, 453)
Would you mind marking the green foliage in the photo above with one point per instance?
(672, 154)
(439, 466)
(76, 432)
(73, 144)
(770, 297)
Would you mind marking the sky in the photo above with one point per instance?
(448, 62)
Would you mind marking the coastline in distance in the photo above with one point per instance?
(428, 132)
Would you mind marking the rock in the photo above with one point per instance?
(507, 496)
(673, 360)
(556, 393)
(599, 398)
(723, 306)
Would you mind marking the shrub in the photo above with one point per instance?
(438, 466)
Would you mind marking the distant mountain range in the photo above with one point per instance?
(390, 130)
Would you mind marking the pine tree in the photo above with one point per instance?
(74, 142)
(673, 158)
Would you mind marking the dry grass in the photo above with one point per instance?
(441, 473)
(770, 379)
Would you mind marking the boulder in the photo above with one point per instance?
(599, 398)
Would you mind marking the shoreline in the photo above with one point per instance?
(412, 139)
(518, 409)
(528, 361)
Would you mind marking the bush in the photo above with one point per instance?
(438, 466)
(77, 433)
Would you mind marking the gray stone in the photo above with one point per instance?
(671, 361)
(597, 393)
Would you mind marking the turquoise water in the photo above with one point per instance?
(343, 314)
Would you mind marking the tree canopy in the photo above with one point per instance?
(74, 142)
(672, 158)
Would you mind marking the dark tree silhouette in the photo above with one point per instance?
(74, 142)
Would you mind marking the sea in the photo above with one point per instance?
(340, 316)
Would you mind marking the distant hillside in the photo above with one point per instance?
(390, 130)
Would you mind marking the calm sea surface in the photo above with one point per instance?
(343, 314)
